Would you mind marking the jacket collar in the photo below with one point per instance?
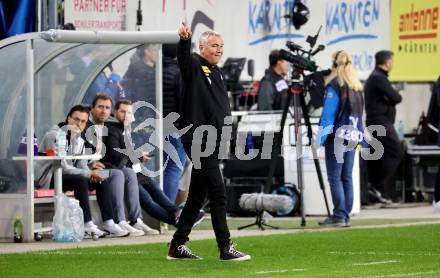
(116, 124)
(381, 70)
(272, 71)
(205, 62)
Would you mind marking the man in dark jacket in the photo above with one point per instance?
(273, 86)
(128, 190)
(380, 104)
(205, 102)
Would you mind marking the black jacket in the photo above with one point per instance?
(380, 98)
(115, 139)
(205, 100)
(172, 92)
(115, 159)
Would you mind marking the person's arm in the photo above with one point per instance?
(78, 167)
(391, 96)
(79, 170)
(49, 141)
(329, 114)
(265, 96)
(184, 52)
(178, 89)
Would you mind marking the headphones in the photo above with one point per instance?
(336, 58)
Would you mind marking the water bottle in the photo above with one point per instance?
(18, 230)
(401, 130)
(61, 143)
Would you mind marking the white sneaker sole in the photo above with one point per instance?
(137, 234)
(244, 258)
(90, 235)
(116, 235)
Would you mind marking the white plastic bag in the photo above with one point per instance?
(68, 221)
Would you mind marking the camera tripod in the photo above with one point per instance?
(296, 89)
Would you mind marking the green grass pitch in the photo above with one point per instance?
(412, 251)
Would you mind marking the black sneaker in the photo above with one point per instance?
(181, 252)
(377, 196)
(229, 253)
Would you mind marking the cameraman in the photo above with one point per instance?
(273, 86)
(340, 132)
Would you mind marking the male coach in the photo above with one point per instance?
(205, 102)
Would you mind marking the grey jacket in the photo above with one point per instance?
(270, 93)
(44, 169)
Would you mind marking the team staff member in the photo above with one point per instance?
(205, 102)
(380, 104)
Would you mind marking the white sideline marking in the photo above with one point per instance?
(56, 252)
(405, 274)
(412, 254)
(375, 263)
(279, 271)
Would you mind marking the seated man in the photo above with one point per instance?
(76, 174)
(128, 189)
(152, 198)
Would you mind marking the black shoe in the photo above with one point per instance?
(332, 222)
(229, 253)
(379, 197)
(181, 252)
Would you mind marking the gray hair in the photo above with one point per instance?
(203, 39)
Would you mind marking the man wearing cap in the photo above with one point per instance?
(273, 86)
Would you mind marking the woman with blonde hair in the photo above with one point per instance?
(340, 132)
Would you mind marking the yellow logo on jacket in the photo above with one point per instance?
(206, 70)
